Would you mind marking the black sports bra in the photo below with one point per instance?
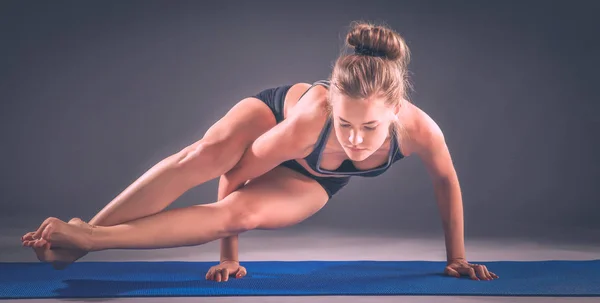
(347, 167)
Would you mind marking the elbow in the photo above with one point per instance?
(444, 177)
(446, 184)
(442, 180)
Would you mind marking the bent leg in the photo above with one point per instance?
(218, 151)
(277, 199)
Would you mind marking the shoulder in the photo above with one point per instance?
(306, 102)
(425, 134)
(305, 96)
(430, 145)
(306, 112)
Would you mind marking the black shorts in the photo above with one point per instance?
(274, 98)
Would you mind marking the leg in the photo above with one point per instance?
(218, 151)
(277, 199)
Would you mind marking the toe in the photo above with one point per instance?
(39, 243)
(28, 236)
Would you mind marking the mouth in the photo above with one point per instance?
(354, 148)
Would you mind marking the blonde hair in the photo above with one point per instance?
(376, 68)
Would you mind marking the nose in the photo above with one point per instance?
(355, 138)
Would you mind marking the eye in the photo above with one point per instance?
(344, 125)
(370, 128)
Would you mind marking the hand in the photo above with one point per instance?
(456, 268)
(222, 271)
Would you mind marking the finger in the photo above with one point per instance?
(451, 272)
(225, 274)
(486, 272)
(472, 274)
(218, 277)
(209, 274)
(241, 272)
(479, 269)
(495, 276)
(213, 273)
(236, 272)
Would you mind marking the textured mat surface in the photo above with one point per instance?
(297, 278)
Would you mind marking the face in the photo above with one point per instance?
(361, 125)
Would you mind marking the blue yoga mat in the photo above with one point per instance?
(297, 278)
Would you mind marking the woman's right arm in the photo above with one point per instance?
(290, 139)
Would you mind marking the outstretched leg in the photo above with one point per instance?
(277, 199)
(220, 149)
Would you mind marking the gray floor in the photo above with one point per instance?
(307, 244)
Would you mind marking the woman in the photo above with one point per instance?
(281, 155)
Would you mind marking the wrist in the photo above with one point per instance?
(456, 259)
(223, 260)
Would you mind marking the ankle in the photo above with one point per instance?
(92, 239)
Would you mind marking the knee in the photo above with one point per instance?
(241, 219)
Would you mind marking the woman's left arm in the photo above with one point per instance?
(432, 149)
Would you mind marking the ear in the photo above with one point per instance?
(396, 110)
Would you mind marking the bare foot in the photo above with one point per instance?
(58, 242)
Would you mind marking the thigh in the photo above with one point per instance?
(225, 141)
(250, 118)
(245, 122)
(242, 124)
(280, 198)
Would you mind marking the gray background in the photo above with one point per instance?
(94, 93)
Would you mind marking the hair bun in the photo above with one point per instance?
(366, 51)
(377, 40)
